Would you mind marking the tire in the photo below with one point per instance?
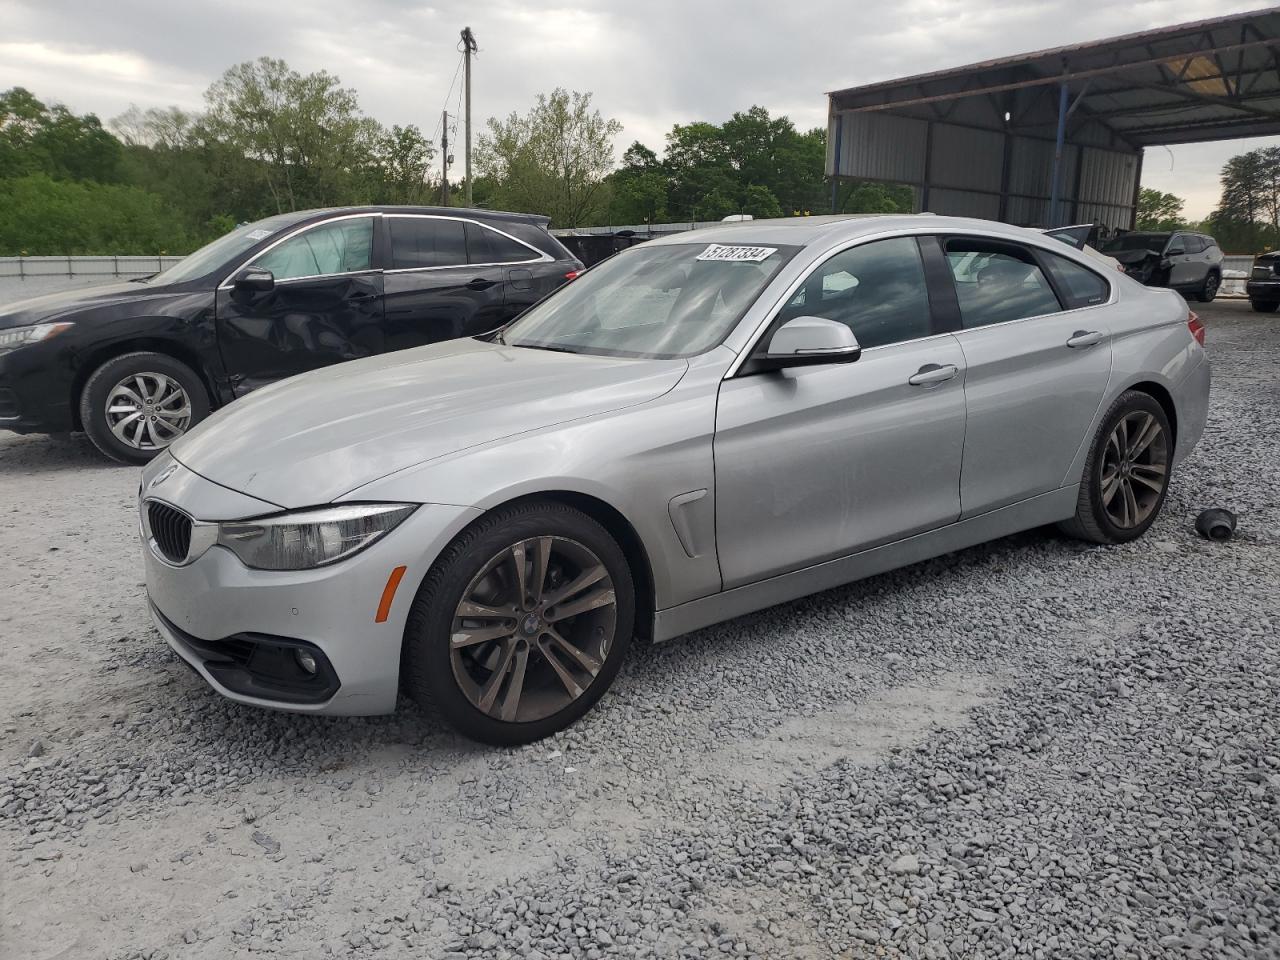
(479, 568)
(1264, 306)
(1104, 506)
(1209, 289)
(168, 396)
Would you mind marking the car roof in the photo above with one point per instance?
(801, 231)
(475, 213)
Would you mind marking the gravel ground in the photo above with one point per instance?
(1034, 748)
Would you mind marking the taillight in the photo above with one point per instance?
(1196, 327)
(571, 275)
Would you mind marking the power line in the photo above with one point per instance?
(445, 105)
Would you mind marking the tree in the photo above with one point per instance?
(1248, 215)
(403, 157)
(552, 160)
(43, 216)
(1159, 211)
(312, 144)
(35, 138)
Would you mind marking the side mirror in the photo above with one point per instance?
(1174, 252)
(255, 280)
(808, 342)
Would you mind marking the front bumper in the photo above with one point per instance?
(35, 390)
(208, 610)
(1267, 291)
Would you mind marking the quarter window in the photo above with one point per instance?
(489, 246)
(1080, 286)
(341, 246)
(877, 289)
(426, 242)
(998, 282)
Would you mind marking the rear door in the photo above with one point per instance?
(434, 291)
(326, 305)
(1037, 349)
(524, 268)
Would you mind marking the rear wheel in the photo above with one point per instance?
(1209, 289)
(521, 625)
(135, 405)
(1264, 306)
(1127, 474)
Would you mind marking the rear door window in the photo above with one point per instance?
(997, 282)
(1080, 286)
(489, 246)
(418, 242)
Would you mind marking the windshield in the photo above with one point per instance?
(1137, 241)
(214, 255)
(652, 301)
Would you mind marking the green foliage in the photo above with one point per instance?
(35, 138)
(553, 160)
(1248, 216)
(1159, 211)
(41, 216)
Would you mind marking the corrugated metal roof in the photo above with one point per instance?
(1208, 80)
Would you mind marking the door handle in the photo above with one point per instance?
(933, 373)
(361, 297)
(480, 283)
(1084, 338)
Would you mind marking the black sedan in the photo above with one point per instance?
(137, 364)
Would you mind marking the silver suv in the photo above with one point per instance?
(1190, 263)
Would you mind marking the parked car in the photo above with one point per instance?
(137, 364)
(1263, 285)
(699, 427)
(1190, 263)
(1085, 237)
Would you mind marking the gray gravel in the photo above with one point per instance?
(1034, 748)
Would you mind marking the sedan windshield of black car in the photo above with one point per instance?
(228, 247)
(656, 302)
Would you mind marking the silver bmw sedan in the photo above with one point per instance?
(699, 427)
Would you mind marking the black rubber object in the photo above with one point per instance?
(1216, 524)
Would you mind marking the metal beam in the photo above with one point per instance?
(1225, 102)
(1054, 183)
(1050, 80)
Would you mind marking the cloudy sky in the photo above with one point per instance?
(650, 63)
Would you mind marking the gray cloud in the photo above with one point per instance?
(650, 63)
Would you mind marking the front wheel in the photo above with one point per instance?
(1127, 474)
(521, 625)
(135, 405)
(1209, 289)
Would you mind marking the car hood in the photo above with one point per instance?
(53, 306)
(1132, 256)
(308, 440)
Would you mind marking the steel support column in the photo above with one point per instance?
(1055, 184)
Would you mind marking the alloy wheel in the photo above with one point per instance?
(148, 411)
(533, 629)
(1135, 469)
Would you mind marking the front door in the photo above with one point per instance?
(1037, 347)
(821, 462)
(325, 307)
(1186, 260)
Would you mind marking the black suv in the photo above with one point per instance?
(136, 364)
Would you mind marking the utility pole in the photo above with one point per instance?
(444, 158)
(468, 48)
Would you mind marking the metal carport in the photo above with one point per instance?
(1056, 137)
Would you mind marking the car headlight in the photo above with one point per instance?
(16, 337)
(310, 538)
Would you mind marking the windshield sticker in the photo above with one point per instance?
(717, 251)
(258, 234)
